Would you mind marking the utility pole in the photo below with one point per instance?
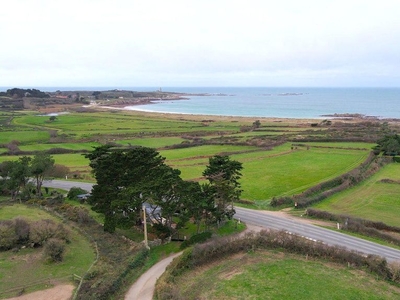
(145, 228)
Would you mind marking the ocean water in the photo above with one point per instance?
(280, 102)
(283, 102)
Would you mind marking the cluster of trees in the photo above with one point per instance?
(24, 177)
(20, 93)
(128, 178)
(388, 145)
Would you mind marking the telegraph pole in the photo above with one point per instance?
(145, 228)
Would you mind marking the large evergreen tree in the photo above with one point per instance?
(224, 175)
(128, 177)
(388, 145)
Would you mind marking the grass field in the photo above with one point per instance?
(24, 136)
(28, 268)
(266, 174)
(371, 199)
(276, 172)
(276, 275)
(70, 146)
(119, 122)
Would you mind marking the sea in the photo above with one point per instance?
(279, 102)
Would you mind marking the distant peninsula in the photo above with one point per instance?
(46, 102)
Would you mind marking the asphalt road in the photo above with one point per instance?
(271, 220)
(330, 237)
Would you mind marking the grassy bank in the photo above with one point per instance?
(28, 269)
(278, 275)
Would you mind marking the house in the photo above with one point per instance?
(153, 213)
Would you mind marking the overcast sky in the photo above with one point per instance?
(130, 43)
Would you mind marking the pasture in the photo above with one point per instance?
(86, 125)
(377, 198)
(271, 167)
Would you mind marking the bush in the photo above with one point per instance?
(54, 249)
(43, 230)
(281, 201)
(320, 214)
(76, 213)
(8, 238)
(55, 198)
(22, 229)
(74, 192)
(197, 238)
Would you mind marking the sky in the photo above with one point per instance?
(158, 43)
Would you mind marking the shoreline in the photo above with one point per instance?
(339, 117)
(204, 117)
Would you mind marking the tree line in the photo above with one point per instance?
(20, 93)
(24, 177)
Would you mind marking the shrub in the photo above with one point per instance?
(311, 212)
(55, 198)
(54, 249)
(281, 201)
(8, 238)
(162, 231)
(197, 238)
(76, 214)
(245, 201)
(74, 192)
(43, 230)
(22, 229)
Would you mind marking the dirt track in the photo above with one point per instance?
(59, 292)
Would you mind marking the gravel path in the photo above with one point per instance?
(143, 288)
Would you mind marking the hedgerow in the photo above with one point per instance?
(202, 254)
(366, 227)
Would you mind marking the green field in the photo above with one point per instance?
(28, 268)
(267, 172)
(276, 275)
(371, 199)
(70, 146)
(82, 125)
(24, 136)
